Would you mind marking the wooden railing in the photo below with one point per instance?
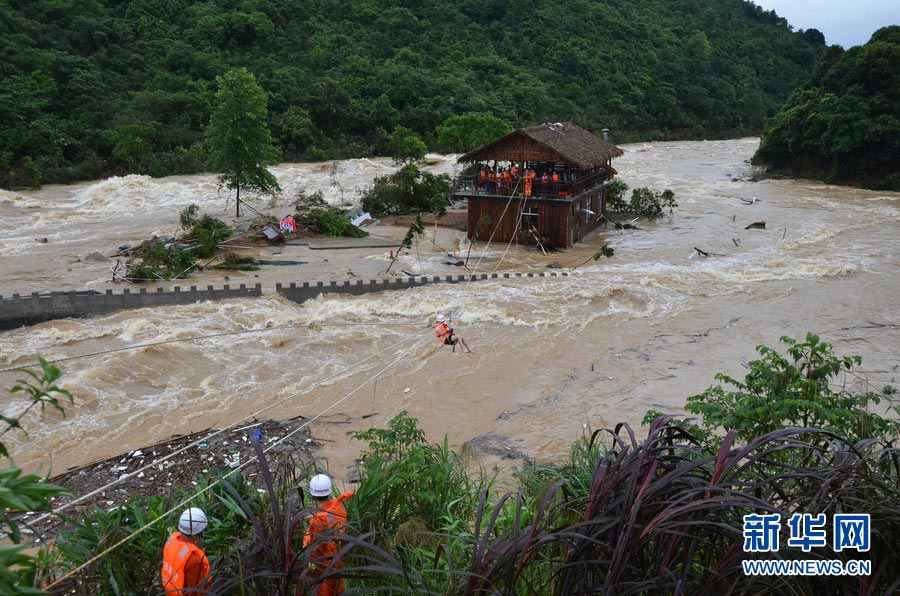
(473, 185)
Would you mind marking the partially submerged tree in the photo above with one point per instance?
(241, 143)
(644, 202)
(406, 146)
(408, 190)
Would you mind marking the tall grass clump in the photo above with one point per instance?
(415, 498)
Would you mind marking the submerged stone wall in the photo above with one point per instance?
(18, 311)
(28, 310)
(307, 291)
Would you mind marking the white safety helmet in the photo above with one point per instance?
(439, 319)
(192, 521)
(320, 485)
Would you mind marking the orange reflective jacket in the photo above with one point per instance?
(329, 521)
(443, 332)
(184, 565)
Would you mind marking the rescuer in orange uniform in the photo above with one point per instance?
(444, 332)
(184, 563)
(326, 524)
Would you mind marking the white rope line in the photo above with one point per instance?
(206, 438)
(193, 338)
(252, 459)
(275, 443)
(491, 238)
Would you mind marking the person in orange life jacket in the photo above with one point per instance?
(529, 177)
(506, 179)
(444, 332)
(325, 525)
(544, 180)
(185, 565)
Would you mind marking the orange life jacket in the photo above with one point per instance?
(326, 523)
(443, 332)
(184, 565)
(483, 175)
(555, 177)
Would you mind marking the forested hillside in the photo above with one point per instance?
(96, 87)
(843, 127)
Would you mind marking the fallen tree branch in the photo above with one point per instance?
(704, 253)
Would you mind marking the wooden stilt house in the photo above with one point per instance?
(542, 184)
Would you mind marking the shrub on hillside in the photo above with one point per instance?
(802, 388)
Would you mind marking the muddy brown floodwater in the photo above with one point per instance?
(554, 357)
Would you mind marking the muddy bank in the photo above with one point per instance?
(180, 462)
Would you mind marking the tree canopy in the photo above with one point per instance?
(240, 142)
(844, 126)
(469, 131)
(102, 87)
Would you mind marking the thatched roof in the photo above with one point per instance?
(561, 142)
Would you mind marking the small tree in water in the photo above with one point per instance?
(644, 202)
(406, 146)
(241, 143)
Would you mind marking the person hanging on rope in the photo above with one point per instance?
(444, 332)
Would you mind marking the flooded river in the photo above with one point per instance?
(554, 357)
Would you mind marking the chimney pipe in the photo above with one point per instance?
(605, 133)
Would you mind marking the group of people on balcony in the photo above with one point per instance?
(551, 182)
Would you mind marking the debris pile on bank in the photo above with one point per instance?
(204, 454)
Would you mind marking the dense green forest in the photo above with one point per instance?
(100, 87)
(844, 126)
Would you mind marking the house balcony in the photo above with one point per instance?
(472, 185)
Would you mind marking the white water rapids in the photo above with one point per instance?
(553, 356)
